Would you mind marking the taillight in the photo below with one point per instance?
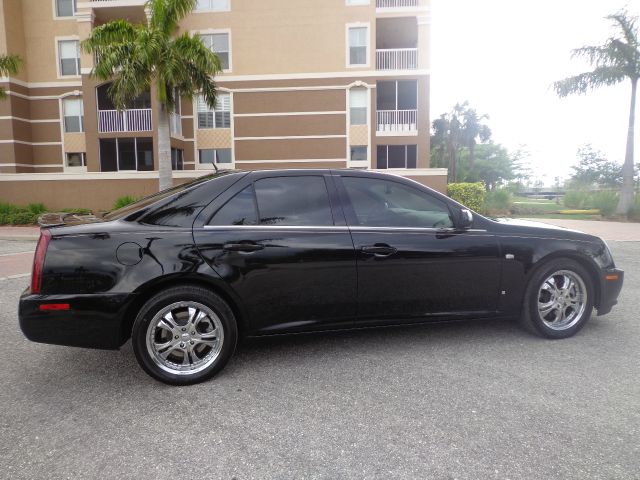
(38, 261)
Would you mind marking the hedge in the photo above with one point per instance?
(471, 195)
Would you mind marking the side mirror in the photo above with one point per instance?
(465, 219)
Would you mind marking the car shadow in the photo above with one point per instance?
(260, 357)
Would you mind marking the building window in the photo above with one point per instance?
(219, 117)
(76, 159)
(215, 5)
(358, 106)
(217, 156)
(358, 45)
(73, 115)
(397, 156)
(358, 153)
(126, 153)
(218, 43)
(65, 8)
(69, 53)
(177, 159)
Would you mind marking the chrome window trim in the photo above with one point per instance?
(335, 227)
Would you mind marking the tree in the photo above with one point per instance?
(455, 131)
(615, 61)
(138, 57)
(493, 165)
(594, 169)
(9, 65)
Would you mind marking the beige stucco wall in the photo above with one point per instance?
(284, 36)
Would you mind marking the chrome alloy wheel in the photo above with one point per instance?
(185, 338)
(562, 300)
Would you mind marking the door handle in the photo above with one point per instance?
(379, 250)
(242, 247)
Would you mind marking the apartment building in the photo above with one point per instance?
(306, 84)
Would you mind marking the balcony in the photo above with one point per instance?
(106, 10)
(397, 58)
(386, 4)
(397, 122)
(131, 120)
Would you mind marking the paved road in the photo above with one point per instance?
(462, 401)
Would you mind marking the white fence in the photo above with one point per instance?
(397, 120)
(397, 59)
(133, 120)
(396, 3)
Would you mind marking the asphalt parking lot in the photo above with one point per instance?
(459, 401)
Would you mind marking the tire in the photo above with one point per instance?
(552, 310)
(184, 335)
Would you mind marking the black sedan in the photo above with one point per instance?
(188, 271)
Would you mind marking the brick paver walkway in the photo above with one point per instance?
(615, 231)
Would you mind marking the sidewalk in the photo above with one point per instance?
(614, 231)
(19, 233)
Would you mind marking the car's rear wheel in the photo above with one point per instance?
(558, 300)
(184, 335)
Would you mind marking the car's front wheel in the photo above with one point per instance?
(558, 300)
(184, 335)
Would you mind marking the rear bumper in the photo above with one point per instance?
(92, 321)
(610, 286)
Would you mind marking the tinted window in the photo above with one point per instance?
(240, 210)
(382, 203)
(293, 201)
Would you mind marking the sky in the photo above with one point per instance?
(503, 55)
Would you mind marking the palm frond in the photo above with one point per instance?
(584, 82)
(192, 67)
(166, 14)
(628, 26)
(9, 65)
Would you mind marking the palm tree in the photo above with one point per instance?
(137, 57)
(455, 131)
(617, 60)
(9, 65)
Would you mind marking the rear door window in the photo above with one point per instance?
(293, 201)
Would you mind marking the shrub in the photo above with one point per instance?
(606, 202)
(77, 211)
(36, 208)
(471, 195)
(15, 215)
(576, 199)
(124, 201)
(498, 202)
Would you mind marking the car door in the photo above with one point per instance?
(412, 263)
(282, 245)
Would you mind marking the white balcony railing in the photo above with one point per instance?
(134, 120)
(397, 59)
(396, 3)
(397, 121)
(175, 125)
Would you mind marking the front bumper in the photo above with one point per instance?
(92, 321)
(610, 285)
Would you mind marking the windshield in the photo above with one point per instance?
(156, 197)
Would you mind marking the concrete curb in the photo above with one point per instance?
(17, 238)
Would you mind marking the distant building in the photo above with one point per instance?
(306, 83)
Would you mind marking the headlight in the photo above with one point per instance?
(603, 257)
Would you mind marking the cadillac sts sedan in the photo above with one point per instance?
(187, 272)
